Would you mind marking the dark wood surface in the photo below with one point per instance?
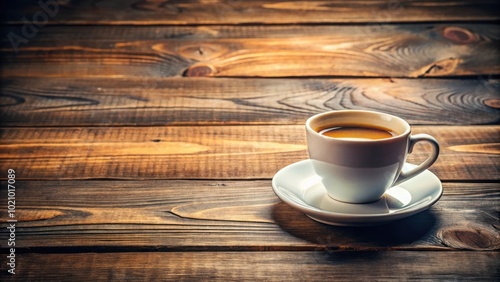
(144, 136)
(144, 12)
(152, 101)
(384, 50)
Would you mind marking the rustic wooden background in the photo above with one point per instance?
(144, 135)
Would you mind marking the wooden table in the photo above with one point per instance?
(143, 136)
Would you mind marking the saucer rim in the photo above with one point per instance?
(349, 219)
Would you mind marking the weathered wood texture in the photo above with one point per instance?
(219, 152)
(132, 166)
(205, 101)
(409, 50)
(207, 215)
(259, 266)
(149, 12)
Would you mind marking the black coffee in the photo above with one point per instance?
(357, 132)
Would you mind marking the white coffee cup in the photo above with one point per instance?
(359, 170)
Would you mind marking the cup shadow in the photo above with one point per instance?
(396, 233)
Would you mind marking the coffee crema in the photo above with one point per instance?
(357, 132)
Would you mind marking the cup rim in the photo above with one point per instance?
(406, 132)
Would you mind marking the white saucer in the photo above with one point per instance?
(299, 186)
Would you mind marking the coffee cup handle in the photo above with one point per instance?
(403, 176)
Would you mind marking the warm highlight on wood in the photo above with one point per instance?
(200, 152)
(410, 50)
(150, 12)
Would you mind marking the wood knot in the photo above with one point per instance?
(459, 35)
(201, 52)
(439, 68)
(470, 238)
(200, 71)
(492, 103)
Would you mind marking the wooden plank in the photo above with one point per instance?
(219, 152)
(409, 50)
(257, 266)
(173, 101)
(134, 12)
(75, 216)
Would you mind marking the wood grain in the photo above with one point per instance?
(150, 12)
(207, 215)
(145, 133)
(202, 101)
(219, 152)
(409, 50)
(258, 266)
